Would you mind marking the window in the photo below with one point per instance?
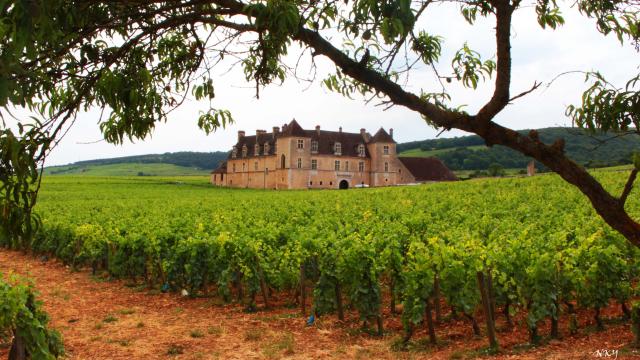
(256, 150)
(385, 149)
(255, 166)
(314, 164)
(337, 165)
(234, 167)
(243, 166)
(300, 144)
(320, 182)
(361, 166)
(310, 183)
(386, 167)
(244, 150)
(346, 166)
(266, 149)
(361, 152)
(299, 163)
(314, 146)
(337, 148)
(234, 152)
(283, 161)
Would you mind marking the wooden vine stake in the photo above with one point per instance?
(486, 304)
(303, 299)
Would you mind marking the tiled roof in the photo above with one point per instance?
(250, 142)
(221, 169)
(382, 136)
(326, 141)
(292, 129)
(428, 169)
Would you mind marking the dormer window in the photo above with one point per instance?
(314, 146)
(337, 148)
(361, 152)
(256, 150)
(234, 153)
(244, 150)
(385, 149)
(266, 148)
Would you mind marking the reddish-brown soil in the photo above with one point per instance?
(108, 320)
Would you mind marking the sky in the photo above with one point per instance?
(538, 55)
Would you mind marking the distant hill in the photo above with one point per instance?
(470, 152)
(459, 153)
(167, 164)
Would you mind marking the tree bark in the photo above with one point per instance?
(18, 348)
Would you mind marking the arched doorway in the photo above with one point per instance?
(344, 184)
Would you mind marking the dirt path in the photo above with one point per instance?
(108, 320)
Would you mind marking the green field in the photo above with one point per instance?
(126, 169)
(537, 238)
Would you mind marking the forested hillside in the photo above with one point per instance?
(167, 164)
(469, 152)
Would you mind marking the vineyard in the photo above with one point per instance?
(530, 249)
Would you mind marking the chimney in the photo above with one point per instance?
(363, 132)
(391, 132)
(240, 135)
(340, 129)
(275, 131)
(318, 130)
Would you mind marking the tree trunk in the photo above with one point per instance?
(491, 329)
(429, 317)
(339, 301)
(303, 294)
(491, 295)
(392, 304)
(263, 288)
(436, 298)
(596, 317)
(554, 321)
(474, 324)
(625, 310)
(18, 348)
(506, 313)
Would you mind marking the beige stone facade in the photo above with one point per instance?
(299, 159)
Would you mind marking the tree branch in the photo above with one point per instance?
(500, 97)
(628, 187)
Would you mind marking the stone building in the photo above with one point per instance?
(294, 158)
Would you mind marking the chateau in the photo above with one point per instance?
(294, 158)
